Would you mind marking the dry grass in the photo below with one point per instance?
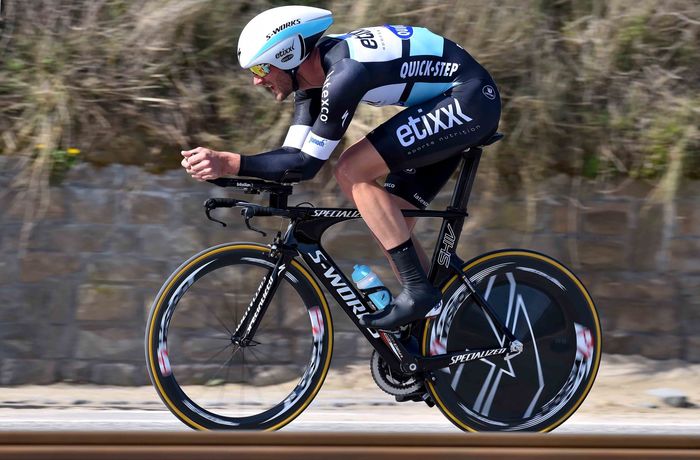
(591, 87)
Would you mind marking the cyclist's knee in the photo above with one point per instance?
(343, 173)
(360, 163)
(348, 170)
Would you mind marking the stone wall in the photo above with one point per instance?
(73, 303)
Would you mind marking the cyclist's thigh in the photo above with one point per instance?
(439, 128)
(360, 162)
(419, 186)
(421, 144)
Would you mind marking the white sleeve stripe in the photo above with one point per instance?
(296, 136)
(319, 147)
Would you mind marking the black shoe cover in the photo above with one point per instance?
(405, 309)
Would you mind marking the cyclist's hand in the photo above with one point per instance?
(206, 164)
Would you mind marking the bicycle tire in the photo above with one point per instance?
(548, 309)
(180, 376)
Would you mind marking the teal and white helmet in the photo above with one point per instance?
(283, 37)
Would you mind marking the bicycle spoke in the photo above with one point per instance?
(254, 355)
(221, 367)
(244, 379)
(219, 320)
(218, 353)
(223, 386)
(232, 313)
(261, 351)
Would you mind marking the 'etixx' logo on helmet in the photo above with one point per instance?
(284, 52)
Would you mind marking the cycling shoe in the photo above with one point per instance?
(405, 309)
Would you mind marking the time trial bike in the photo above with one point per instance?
(240, 336)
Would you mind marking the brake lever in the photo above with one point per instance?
(208, 207)
(247, 214)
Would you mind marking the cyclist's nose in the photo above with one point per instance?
(257, 80)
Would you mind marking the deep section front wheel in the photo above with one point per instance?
(202, 370)
(548, 309)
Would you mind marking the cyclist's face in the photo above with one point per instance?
(277, 82)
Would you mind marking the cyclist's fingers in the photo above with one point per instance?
(185, 164)
(189, 153)
(204, 164)
(204, 154)
(202, 172)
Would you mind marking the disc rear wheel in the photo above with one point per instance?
(548, 309)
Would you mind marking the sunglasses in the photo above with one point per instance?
(261, 70)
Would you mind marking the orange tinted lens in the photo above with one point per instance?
(260, 70)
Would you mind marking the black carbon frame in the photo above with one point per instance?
(303, 238)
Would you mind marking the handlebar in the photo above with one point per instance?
(264, 211)
(253, 186)
(279, 192)
(249, 210)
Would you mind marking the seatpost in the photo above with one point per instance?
(451, 229)
(460, 197)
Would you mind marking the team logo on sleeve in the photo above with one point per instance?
(325, 95)
(319, 147)
(318, 141)
(403, 32)
(366, 37)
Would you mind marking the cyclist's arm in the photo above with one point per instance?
(337, 100)
(272, 165)
(307, 105)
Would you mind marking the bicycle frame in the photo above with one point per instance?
(303, 237)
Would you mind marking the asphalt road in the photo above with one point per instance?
(322, 420)
(624, 400)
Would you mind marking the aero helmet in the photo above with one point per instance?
(283, 37)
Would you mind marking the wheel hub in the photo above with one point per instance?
(242, 343)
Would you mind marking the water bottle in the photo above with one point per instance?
(365, 278)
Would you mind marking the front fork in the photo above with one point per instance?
(248, 325)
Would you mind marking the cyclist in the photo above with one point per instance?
(451, 103)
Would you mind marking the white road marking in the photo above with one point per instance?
(320, 420)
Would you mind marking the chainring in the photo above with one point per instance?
(391, 381)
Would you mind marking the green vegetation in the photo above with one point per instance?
(594, 88)
(61, 162)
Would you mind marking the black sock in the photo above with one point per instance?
(401, 247)
(408, 264)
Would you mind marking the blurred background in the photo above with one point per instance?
(600, 166)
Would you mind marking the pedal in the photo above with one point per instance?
(404, 398)
(415, 397)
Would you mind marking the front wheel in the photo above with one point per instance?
(210, 376)
(548, 309)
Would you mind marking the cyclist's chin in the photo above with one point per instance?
(281, 95)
